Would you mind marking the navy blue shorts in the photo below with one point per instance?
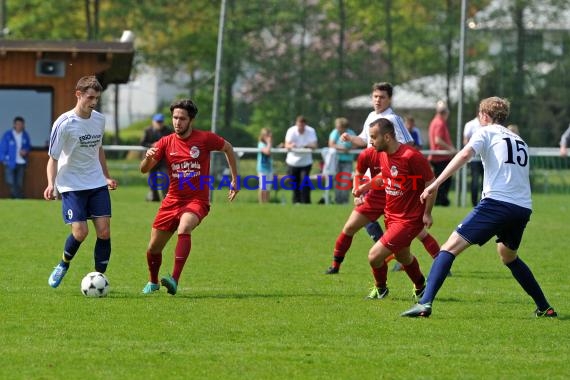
(491, 218)
(78, 206)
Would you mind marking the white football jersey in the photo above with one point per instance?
(402, 134)
(506, 163)
(75, 143)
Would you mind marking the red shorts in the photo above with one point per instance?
(170, 211)
(400, 235)
(373, 206)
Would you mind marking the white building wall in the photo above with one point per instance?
(140, 98)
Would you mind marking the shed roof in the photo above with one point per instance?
(121, 53)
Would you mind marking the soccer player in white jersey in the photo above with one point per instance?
(504, 210)
(78, 169)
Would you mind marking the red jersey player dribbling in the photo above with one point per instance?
(187, 154)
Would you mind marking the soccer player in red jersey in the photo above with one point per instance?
(368, 207)
(405, 173)
(187, 156)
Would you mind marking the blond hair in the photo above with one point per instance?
(263, 133)
(496, 108)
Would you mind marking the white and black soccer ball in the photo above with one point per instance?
(95, 284)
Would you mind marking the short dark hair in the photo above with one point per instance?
(385, 126)
(19, 118)
(185, 104)
(88, 82)
(383, 86)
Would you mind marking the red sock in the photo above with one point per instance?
(380, 275)
(389, 258)
(154, 262)
(181, 254)
(431, 245)
(342, 244)
(414, 273)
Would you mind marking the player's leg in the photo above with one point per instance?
(102, 250)
(157, 242)
(343, 242)
(411, 266)
(73, 206)
(437, 274)
(428, 241)
(508, 243)
(377, 260)
(99, 210)
(374, 230)
(524, 276)
(193, 214)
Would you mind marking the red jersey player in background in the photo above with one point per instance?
(187, 156)
(405, 173)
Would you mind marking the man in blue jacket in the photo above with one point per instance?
(14, 148)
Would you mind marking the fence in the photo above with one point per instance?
(550, 173)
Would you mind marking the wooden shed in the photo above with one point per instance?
(37, 82)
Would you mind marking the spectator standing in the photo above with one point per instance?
(565, 142)
(264, 164)
(151, 135)
(475, 165)
(299, 164)
(344, 158)
(440, 139)
(14, 149)
(415, 132)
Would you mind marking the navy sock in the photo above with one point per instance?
(522, 273)
(70, 248)
(374, 230)
(437, 274)
(102, 254)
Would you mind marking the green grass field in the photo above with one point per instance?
(253, 301)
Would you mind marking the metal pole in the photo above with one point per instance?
(219, 50)
(460, 185)
(218, 65)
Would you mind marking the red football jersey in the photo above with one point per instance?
(188, 163)
(404, 176)
(369, 159)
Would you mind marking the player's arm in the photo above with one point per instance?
(111, 183)
(228, 150)
(429, 201)
(148, 161)
(357, 141)
(460, 159)
(51, 171)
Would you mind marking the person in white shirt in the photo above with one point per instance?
(299, 164)
(382, 103)
(504, 210)
(78, 169)
(475, 165)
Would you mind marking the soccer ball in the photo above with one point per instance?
(95, 284)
